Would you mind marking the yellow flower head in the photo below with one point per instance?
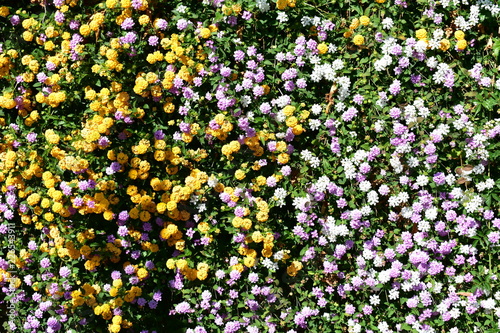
(461, 44)
(459, 35)
(358, 40)
(364, 20)
(421, 34)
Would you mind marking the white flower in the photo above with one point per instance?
(432, 62)
(282, 17)
(393, 294)
(181, 9)
(245, 101)
(316, 109)
(212, 181)
(424, 226)
(365, 186)
(422, 180)
(372, 198)
(421, 46)
(280, 193)
(431, 213)
(488, 304)
(379, 125)
(269, 264)
(387, 23)
(374, 300)
(263, 5)
(413, 161)
(314, 124)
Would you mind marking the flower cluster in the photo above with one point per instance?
(250, 166)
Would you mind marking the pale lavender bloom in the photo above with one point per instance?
(161, 24)
(45, 263)
(153, 40)
(127, 24)
(31, 137)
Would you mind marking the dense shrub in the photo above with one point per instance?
(250, 166)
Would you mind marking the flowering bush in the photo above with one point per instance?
(250, 166)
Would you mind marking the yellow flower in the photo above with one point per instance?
(358, 40)
(444, 45)
(117, 283)
(204, 227)
(257, 237)
(364, 20)
(142, 273)
(461, 44)
(205, 33)
(283, 158)
(249, 261)
(291, 121)
(171, 205)
(85, 29)
(144, 19)
(421, 34)
(4, 11)
(239, 174)
(459, 34)
(27, 36)
(354, 24)
(322, 48)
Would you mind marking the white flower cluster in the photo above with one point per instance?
(263, 5)
(279, 196)
(443, 70)
(326, 71)
(473, 203)
(349, 168)
(308, 156)
(316, 109)
(486, 185)
(372, 198)
(387, 23)
(480, 151)
(473, 20)
(307, 21)
(269, 264)
(332, 230)
(396, 200)
(322, 183)
(282, 17)
(302, 202)
(383, 63)
(396, 164)
(314, 124)
(435, 41)
(212, 181)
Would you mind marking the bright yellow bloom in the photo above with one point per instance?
(364, 20)
(461, 44)
(358, 40)
(421, 34)
(459, 34)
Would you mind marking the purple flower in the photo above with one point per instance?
(182, 24)
(15, 20)
(395, 87)
(153, 40)
(31, 137)
(239, 55)
(64, 272)
(45, 263)
(183, 307)
(161, 24)
(59, 17)
(127, 24)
